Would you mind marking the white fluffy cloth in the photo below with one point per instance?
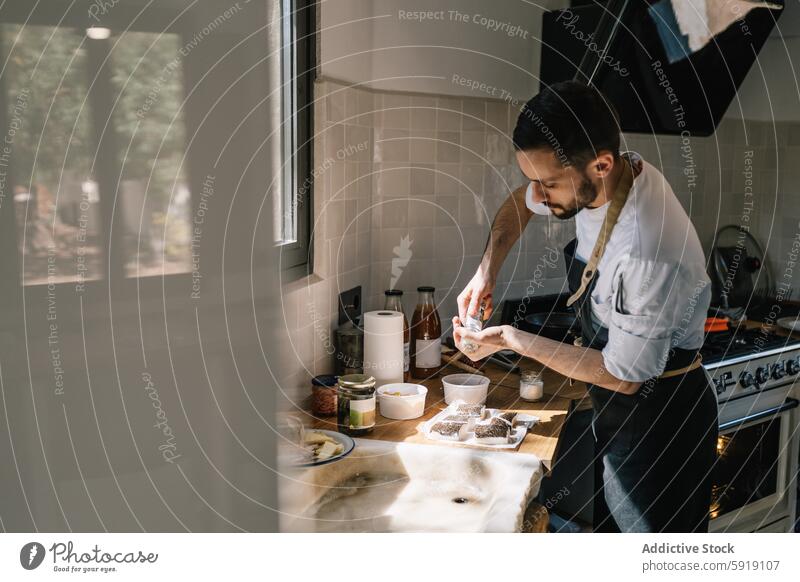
(700, 20)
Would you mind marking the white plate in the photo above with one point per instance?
(790, 323)
(526, 420)
(345, 440)
(517, 433)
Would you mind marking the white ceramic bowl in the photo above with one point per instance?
(471, 388)
(410, 404)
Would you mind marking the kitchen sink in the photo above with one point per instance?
(405, 487)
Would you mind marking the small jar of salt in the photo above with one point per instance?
(475, 325)
(531, 385)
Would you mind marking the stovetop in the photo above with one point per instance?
(751, 369)
(734, 344)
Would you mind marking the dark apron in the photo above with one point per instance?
(654, 450)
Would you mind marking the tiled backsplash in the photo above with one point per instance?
(407, 186)
(745, 174)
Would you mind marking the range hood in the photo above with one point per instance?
(634, 52)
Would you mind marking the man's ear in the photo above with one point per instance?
(600, 167)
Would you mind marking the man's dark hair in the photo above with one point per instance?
(570, 118)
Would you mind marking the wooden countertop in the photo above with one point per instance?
(560, 398)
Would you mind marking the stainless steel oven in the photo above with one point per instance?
(754, 478)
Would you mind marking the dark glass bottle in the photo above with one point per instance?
(394, 302)
(426, 336)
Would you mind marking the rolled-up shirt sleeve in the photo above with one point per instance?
(647, 302)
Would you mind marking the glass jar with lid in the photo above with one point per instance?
(323, 395)
(531, 385)
(355, 395)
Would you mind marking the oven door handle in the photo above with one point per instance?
(787, 405)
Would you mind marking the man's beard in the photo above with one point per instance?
(585, 194)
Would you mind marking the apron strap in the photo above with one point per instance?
(610, 220)
(696, 363)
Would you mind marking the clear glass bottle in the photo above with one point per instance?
(426, 336)
(394, 302)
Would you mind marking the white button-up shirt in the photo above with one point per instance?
(652, 291)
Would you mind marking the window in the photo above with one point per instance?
(119, 119)
(293, 204)
(59, 161)
(147, 73)
(49, 155)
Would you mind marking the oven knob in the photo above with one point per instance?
(778, 371)
(792, 367)
(747, 379)
(762, 375)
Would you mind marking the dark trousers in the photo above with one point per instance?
(654, 457)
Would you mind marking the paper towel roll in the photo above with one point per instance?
(383, 346)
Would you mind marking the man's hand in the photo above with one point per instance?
(478, 290)
(486, 342)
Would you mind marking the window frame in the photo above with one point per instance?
(298, 59)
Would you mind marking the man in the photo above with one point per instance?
(637, 274)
